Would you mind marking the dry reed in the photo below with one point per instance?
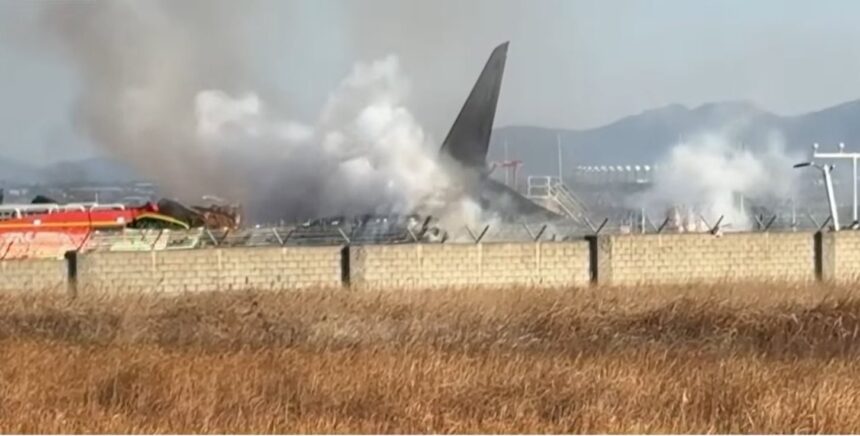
(736, 359)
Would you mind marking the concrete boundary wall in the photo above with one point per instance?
(704, 258)
(258, 268)
(617, 260)
(553, 264)
(840, 257)
(33, 275)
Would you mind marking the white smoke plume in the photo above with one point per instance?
(710, 173)
(166, 88)
(366, 153)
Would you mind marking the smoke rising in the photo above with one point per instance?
(710, 173)
(169, 91)
(140, 65)
(366, 153)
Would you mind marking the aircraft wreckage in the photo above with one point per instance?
(464, 154)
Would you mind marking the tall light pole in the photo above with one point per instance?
(560, 167)
(842, 155)
(828, 186)
(507, 159)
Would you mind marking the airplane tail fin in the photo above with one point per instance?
(469, 138)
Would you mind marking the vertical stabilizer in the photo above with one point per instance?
(469, 138)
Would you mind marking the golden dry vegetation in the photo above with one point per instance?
(722, 359)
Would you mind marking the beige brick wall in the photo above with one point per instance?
(469, 265)
(841, 257)
(257, 268)
(33, 275)
(704, 258)
(622, 260)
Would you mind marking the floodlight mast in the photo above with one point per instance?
(828, 186)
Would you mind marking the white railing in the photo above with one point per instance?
(548, 189)
(13, 211)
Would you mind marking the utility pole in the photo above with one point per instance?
(793, 215)
(743, 211)
(507, 159)
(560, 168)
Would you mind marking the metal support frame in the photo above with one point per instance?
(478, 238)
(528, 230)
(483, 233)
(412, 235)
(707, 224)
(212, 237)
(84, 241)
(824, 224)
(651, 223)
(534, 237)
(540, 233)
(759, 221)
(828, 186)
(841, 154)
(716, 227)
(663, 226)
(155, 242)
(224, 238)
(425, 226)
(814, 221)
(471, 233)
(603, 224)
(589, 223)
(828, 182)
(769, 223)
(278, 236)
(343, 235)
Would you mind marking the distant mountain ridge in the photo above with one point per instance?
(647, 137)
(636, 139)
(93, 170)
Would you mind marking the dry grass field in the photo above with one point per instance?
(700, 359)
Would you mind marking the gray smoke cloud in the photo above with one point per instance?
(166, 88)
(708, 175)
(140, 65)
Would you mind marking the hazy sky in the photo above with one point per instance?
(572, 63)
